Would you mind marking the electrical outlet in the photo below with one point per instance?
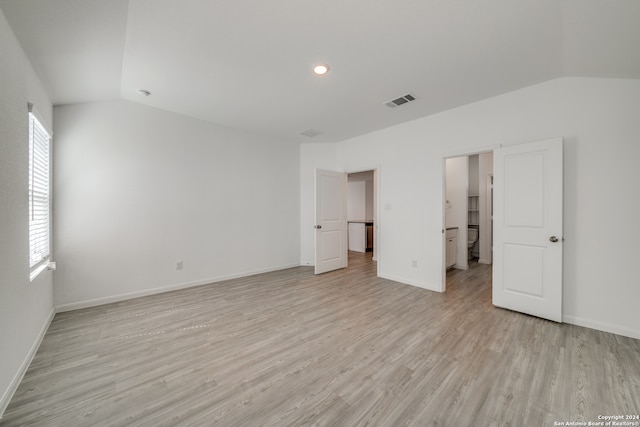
(414, 263)
(179, 265)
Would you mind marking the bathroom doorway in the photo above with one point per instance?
(468, 214)
(526, 226)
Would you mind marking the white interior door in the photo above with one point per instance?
(331, 221)
(527, 271)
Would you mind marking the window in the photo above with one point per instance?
(39, 194)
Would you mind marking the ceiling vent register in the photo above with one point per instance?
(311, 133)
(400, 101)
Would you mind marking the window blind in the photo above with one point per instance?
(39, 165)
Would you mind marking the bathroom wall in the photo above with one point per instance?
(485, 169)
(360, 196)
(356, 200)
(456, 185)
(474, 164)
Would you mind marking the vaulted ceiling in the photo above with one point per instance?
(247, 64)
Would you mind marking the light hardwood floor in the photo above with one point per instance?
(340, 349)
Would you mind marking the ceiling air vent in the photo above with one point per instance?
(311, 133)
(399, 101)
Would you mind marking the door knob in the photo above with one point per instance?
(553, 239)
(317, 227)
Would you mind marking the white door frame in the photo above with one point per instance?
(488, 223)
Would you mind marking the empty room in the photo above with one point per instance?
(180, 242)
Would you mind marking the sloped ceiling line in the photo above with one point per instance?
(248, 64)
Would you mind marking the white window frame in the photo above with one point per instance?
(39, 196)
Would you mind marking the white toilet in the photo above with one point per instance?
(472, 238)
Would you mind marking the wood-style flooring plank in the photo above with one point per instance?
(345, 348)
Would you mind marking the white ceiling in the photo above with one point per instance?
(247, 63)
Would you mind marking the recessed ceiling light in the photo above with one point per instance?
(144, 92)
(321, 69)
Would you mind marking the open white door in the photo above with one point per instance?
(331, 221)
(527, 270)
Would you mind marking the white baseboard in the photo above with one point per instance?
(410, 282)
(130, 295)
(602, 326)
(17, 379)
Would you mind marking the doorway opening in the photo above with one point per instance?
(468, 214)
(361, 212)
(362, 215)
(345, 201)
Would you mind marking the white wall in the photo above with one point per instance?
(598, 119)
(356, 200)
(138, 189)
(26, 308)
(474, 165)
(369, 197)
(456, 191)
(360, 196)
(485, 168)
